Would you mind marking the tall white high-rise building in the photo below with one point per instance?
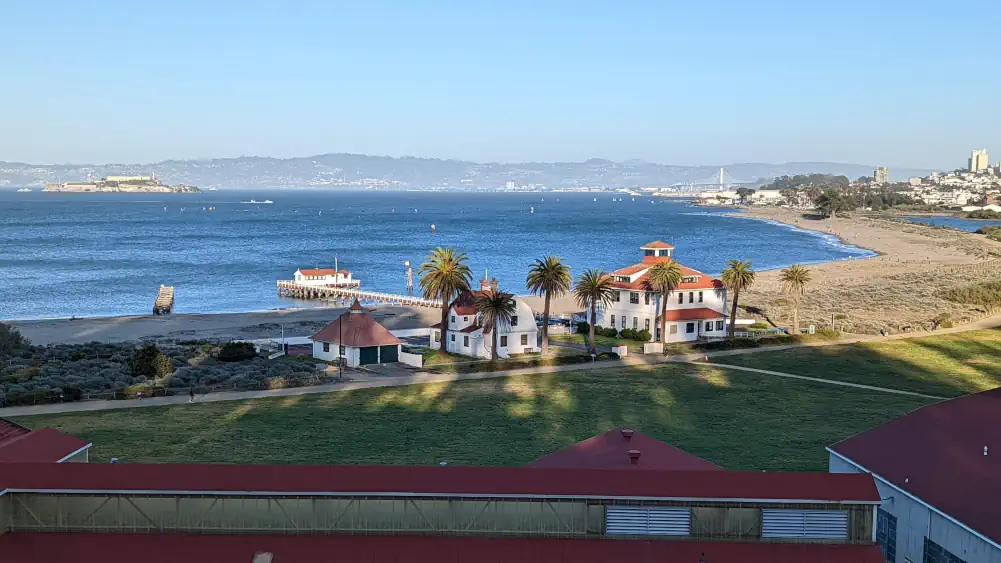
(978, 160)
(880, 176)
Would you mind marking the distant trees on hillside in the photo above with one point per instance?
(808, 180)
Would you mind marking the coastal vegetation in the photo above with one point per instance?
(794, 280)
(548, 277)
(37, 374)
(736, 419)
(945, 365)
(664, 277)
(593, 288)
(496, 308)
(983, 214)
(737, 277)
(993, 233)
(986, 294)
(444, 275)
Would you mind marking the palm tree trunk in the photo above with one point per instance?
(663, 319)
(733, 315)
(545, 326)
(493, 353)
(795, 316)
(443, 349)
(590, 330)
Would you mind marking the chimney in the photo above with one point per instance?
(627, 433)
(634, 457)
(493, 285)
(484, 284)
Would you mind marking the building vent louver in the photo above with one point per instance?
(804, 524)
(648, 521)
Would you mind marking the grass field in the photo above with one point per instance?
(635, 346)
(948, 365)
(736, 419)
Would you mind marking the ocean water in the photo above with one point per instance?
(106, 254)
(970, 225)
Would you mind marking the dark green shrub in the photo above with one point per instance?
(760, 326)
(610, 332)
(629, 333)
(150, 362)
(583, 328)
(643, 335)
(11, 341)
(236, 352)
(828, 333)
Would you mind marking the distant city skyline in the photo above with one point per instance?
(670, 83)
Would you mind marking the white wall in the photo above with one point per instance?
(711, 299)
(351, 355)
(916, 521)
(480, 344)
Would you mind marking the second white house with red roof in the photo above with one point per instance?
(696, 309)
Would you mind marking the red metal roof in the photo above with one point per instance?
(356, 328)
(10, 430)
(25, 547)
(630, 270)
(42, 445)
(611, 450)
(642, 283)
(465, 303)
(656, 244)
(936, 453)
(702, 313)
(323, 272)
(435, 480)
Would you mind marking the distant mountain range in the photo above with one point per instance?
(355, 170)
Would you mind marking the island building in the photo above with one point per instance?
(468, 336)
(695, 309)
(121, 184)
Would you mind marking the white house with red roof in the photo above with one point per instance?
(468, 336)
(696, 309)
(323, 277)
(358, 338)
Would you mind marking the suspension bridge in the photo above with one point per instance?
(719, 181)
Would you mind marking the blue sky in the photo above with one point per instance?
(915, 83)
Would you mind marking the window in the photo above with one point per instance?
(689, 328)
(623, 321)
(886, 534)
(690, 279)
(503, 343)
(611, 320)
(453, 318)
(452, 337)
(719, 325)
(673, 329)
(700, 297)
(646, 324)
(466, 319)
(934, 553)
(514, 320)
(326, 346)
(648, 520)
(465, 341)
(681, 298)
(721, 522)
(634, 297)
(636, 323)
(616, 297)
(691, 297)
(709, 326)
(646, 298)
(524, 340)
(623, 279)
(437, 336)
(341, 350)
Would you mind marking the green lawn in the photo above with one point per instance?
(736, 419)
(947, 365)
(635, 346)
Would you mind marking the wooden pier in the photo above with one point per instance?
(164, 303)
(289, 288)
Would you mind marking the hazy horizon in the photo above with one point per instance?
(885, 83)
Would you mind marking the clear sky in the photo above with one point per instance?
(912, 83)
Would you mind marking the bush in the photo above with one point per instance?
(986, 294)
(629, 333)
(11, 341)
(609, 332)
(828, 333)
(150, 362)
(643, 335)
(236, 352)
(583, 328)
(760, 326)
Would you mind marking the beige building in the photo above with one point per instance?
(881, 176)
(979, 161)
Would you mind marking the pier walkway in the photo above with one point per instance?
(289, 288)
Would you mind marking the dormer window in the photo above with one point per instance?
(690, 279)
(624, 279)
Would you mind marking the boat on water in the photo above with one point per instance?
(257, 202)
(531, 210)
(24, 190)
(213, 189)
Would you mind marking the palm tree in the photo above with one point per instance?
(737, 277)
(794, 280)
(593, 287)
(664, 277)
(549, 276)
(497, 308)
(444, 276)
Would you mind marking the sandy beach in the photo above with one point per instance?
(899, 290)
